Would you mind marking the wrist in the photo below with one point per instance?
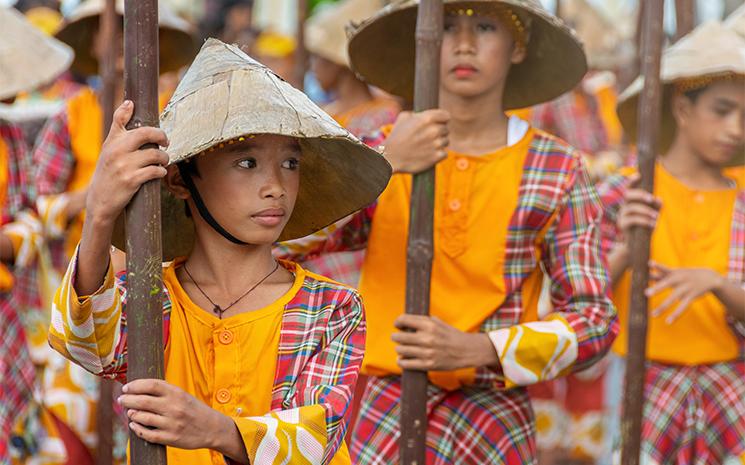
(480, 351)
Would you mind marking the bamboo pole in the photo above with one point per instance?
(301, 54)
(421, 236)
(143, 234)
(649, 123)
(107, 70)
(685, 17)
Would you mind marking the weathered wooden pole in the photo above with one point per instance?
(648, 130)
(301, 54)
(421, 237)
(143, 238)
(685, 17)
(107, 70)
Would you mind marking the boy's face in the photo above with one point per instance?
(477, 52)
(249, 187)
(713, 123)
(327, 73)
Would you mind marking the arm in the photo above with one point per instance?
(584, 322)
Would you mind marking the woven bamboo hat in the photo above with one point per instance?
(225, 95)
(382, 51)
(325, 32)
(28, 57)
(736, 20)
(710, 52)
(177, 46)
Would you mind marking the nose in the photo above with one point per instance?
(465, 39)
(736, 126)
(272, 186)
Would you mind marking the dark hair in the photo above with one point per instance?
(189, 167)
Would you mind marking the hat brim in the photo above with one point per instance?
(325, 195)
(176, 46)
(382, 50)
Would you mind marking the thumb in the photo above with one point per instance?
(121, 117)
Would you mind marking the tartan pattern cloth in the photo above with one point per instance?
(467, 426)
(321, 346)
(694, 415)
(16, 368)
(555, 192)
(54, 163)
(573, 116)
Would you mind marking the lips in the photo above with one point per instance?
(464, 70)
(269, 217)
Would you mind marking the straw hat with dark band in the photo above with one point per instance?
(736, 21)
(325, 32)
(382, 51)
(710, 53)
(28, 57)
(177, 46)
(226, 96)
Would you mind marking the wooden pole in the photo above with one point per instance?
(648, 130)
(685, 17)
(421, 236)
(301, 54)
(143, 237)
(107, 70)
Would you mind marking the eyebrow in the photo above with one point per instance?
(725, 101)
(248, 144)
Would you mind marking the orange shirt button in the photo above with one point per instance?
(699, 198)
(462, 164)
(455, 205)
(223, 396)
(226, 337)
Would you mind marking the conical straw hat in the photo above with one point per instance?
(736, 20)
(28, 57)
(605, 46)
(382, 51)
(325, 32)
(710, 50)
(177, 45)
(226, 95)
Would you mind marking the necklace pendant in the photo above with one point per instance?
(217, 310)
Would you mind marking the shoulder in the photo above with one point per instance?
(553, 152)
(325, 292)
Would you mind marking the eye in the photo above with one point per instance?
(486, 27)
(449, 26)
(721, 111)
(291, 164)
(248, 163)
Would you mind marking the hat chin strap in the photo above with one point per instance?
(203, 211)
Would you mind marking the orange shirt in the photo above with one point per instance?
(469, 256)
(693, 230)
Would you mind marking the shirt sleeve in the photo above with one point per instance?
(53, 165)
(348, 234)
(584, 323)
(310, 426)
(91, 331)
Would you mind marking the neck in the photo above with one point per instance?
(351, 92)
(685, 164)
(477, 125)
(227, 266)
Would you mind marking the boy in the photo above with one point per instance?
(261, 356)
(509, 201)
(694, 410)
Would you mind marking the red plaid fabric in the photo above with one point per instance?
(467, 426)
(694, 415)
(16, 369)
(574, 117)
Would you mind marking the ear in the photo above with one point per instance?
(681, 107)
(175, 184)
(519, 52)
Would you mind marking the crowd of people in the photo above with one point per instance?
(286, 205)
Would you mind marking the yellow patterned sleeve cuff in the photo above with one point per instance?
(53, 213)
(86, 330)
(296, 436)
(533, 352)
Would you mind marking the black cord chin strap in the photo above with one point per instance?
(203, 211)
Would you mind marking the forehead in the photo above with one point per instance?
(730, 90)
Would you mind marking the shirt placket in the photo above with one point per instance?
(455, 210)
